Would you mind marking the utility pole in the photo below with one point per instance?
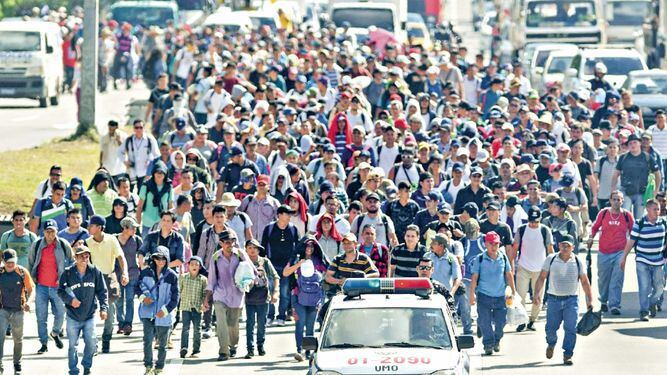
(88, 82)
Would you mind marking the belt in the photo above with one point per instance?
(560, 297)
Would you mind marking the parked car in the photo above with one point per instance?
(619, 63)
(649, 91)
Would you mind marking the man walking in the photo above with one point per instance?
(18, 238)
(13, 303)
(614, 225)
(491, 274)
(227, 297)
(532, 245)
(564, 271)
(105, 252)
(80, 285)
(49, 256)
(648, 234)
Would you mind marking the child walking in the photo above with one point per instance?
(193, 289)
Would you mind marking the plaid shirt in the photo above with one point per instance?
(192, 291)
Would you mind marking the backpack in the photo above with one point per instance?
(260, 291)
(628, 185)
(310, 289)
(576, 260)
(383, 217)
(21, 271)
(295, 234)
(543, 232)
(480, 257)
(130, 143)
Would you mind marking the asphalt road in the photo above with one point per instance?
(26, 125)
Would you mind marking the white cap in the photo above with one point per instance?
(307, 268)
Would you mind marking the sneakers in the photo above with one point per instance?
(57, 340)
(521, 327)
(250, 354)
(269, 322)
(496, 348)
(567, 360)
(615, 311)
(604, 308)
(550, 352)
(158, 371)
(643, 316)
(652, 311)
(86, 371)
(170, 344)
(195, 354)
(531, 326)
(43, 349)
(206, 334)
(488, 351)
(127, 330)
(298, 356)
(308, 354)
(260, 350)
(17, 369)
(280, 323)
(184, 352)
(232, 352)
(149, 371)
(223, 357)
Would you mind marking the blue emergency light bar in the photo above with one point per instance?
(413, 285)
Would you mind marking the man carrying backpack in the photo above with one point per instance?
(13, 303)
(532, 244)
(564, 271)
(614, 225)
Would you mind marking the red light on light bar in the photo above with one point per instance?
(412, 284)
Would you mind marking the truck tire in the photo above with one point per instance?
(43, 102)
(55, 100)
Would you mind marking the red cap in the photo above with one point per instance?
(262, 178)
(555, 167)
(492, 237)
(393, 97)
(346, 94)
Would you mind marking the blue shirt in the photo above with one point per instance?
(471, 249)
(446, 268)
(491, 279)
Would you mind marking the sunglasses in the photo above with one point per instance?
(56, 174)
(138, 127)
(424, 268)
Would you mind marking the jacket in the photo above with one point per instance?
(174, 244)
(84, 289)
(162, 289)
(63, 255)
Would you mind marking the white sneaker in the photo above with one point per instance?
(298, 356)
(149, 371)
(269, 323)
(280, 322)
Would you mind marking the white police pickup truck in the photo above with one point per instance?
(388, 326)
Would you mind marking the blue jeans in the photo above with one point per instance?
(566, 310)
(125, 305)
(284, 301)
(491, 318)
(463, 308)
(634, 203)
(610, 279)
(75, 329)
(305, 318)
(651, 280)
(194, 317)
(43, 296)
(152, 331)
(255, 314)
(15, 320)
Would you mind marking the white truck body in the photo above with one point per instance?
(390, 15)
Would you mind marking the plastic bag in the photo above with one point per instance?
(516, 313)
(244, 277)
(589, 322)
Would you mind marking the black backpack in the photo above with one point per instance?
(543, 232)
(360, 220)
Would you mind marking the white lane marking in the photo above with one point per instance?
(24, 118)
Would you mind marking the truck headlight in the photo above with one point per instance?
(36, 70)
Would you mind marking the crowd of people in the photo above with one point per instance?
(271, 166)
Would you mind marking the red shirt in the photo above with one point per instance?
(614, 230)
(47, 270)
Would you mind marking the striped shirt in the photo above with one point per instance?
(650, 240)
(406, 261)
(344, 269)
(193, 290)
(563, 275)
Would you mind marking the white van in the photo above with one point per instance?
(619, 63)
(31, 61)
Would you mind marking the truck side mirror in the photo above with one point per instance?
(49, 49)
(310, 343)
(464, 342)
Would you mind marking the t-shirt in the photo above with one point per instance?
(46, 209)
(402, 216)
(239, 225)
(563, 275)
(406, 261)
(103, 254)
(501, 228)
(47, 270)
(533, 252)
(80, 234)
(282, 245)
(650, 241)
(634, 172)
(102, 203)
(491, 274)
(151, 214)
(605, 170)
(11, 289)
(111, 159)
(361, 264)
(381, 233)
(387, 157)
(10, 240)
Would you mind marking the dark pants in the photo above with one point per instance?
(283, 302)
(15, 318)
(201, 118)
(151, 331)
(305, 318)
(255, 314)
(194, 317)
(125, 305)
(138, 182)
(491, 318)
(69, 77)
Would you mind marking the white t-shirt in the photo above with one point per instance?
(202, 88)
(40, 188)
(360, 119)
(452, 189)
(533, 252)
(342, 226)
(186, 59)
(237, 225)
(111, 159)
(387, 157)
(144, 151)
(216, 102)
(471, 88)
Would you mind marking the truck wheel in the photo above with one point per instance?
(55, 100)
(43, 103)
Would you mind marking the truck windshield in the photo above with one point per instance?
(386, 327)
(191, 4)
(649, 85)
(364, 17)
(627, 13)
(616, 66)
(19, 41)
(560, 64)
(560, 13)
(143, 16)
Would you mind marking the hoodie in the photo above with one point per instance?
(602, 112)
(161, 288)
(112, 222)
(85, 289)
(83, 203)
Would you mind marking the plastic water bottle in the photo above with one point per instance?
(508, 296)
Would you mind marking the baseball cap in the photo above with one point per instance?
(255, 243)
(471, 208)
(445, 208)
(98, 220)
(285, 209)
(534, 214)
(50, 224)
(81, 249)
(492, 237)
(326, 186)
(129, 222)
(9, 255)
(512, 201)
(201, 129)
(567, 239)
(476, 170)
(493, 206)
(179, 122)
(633, 137)
(350, 237)
(373, 196)
(264, 179)
(457, 167)
(236, 150)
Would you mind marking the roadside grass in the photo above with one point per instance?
(22, 170)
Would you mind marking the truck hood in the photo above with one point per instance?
(17, 59)
(650, 101)
(388, 360)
